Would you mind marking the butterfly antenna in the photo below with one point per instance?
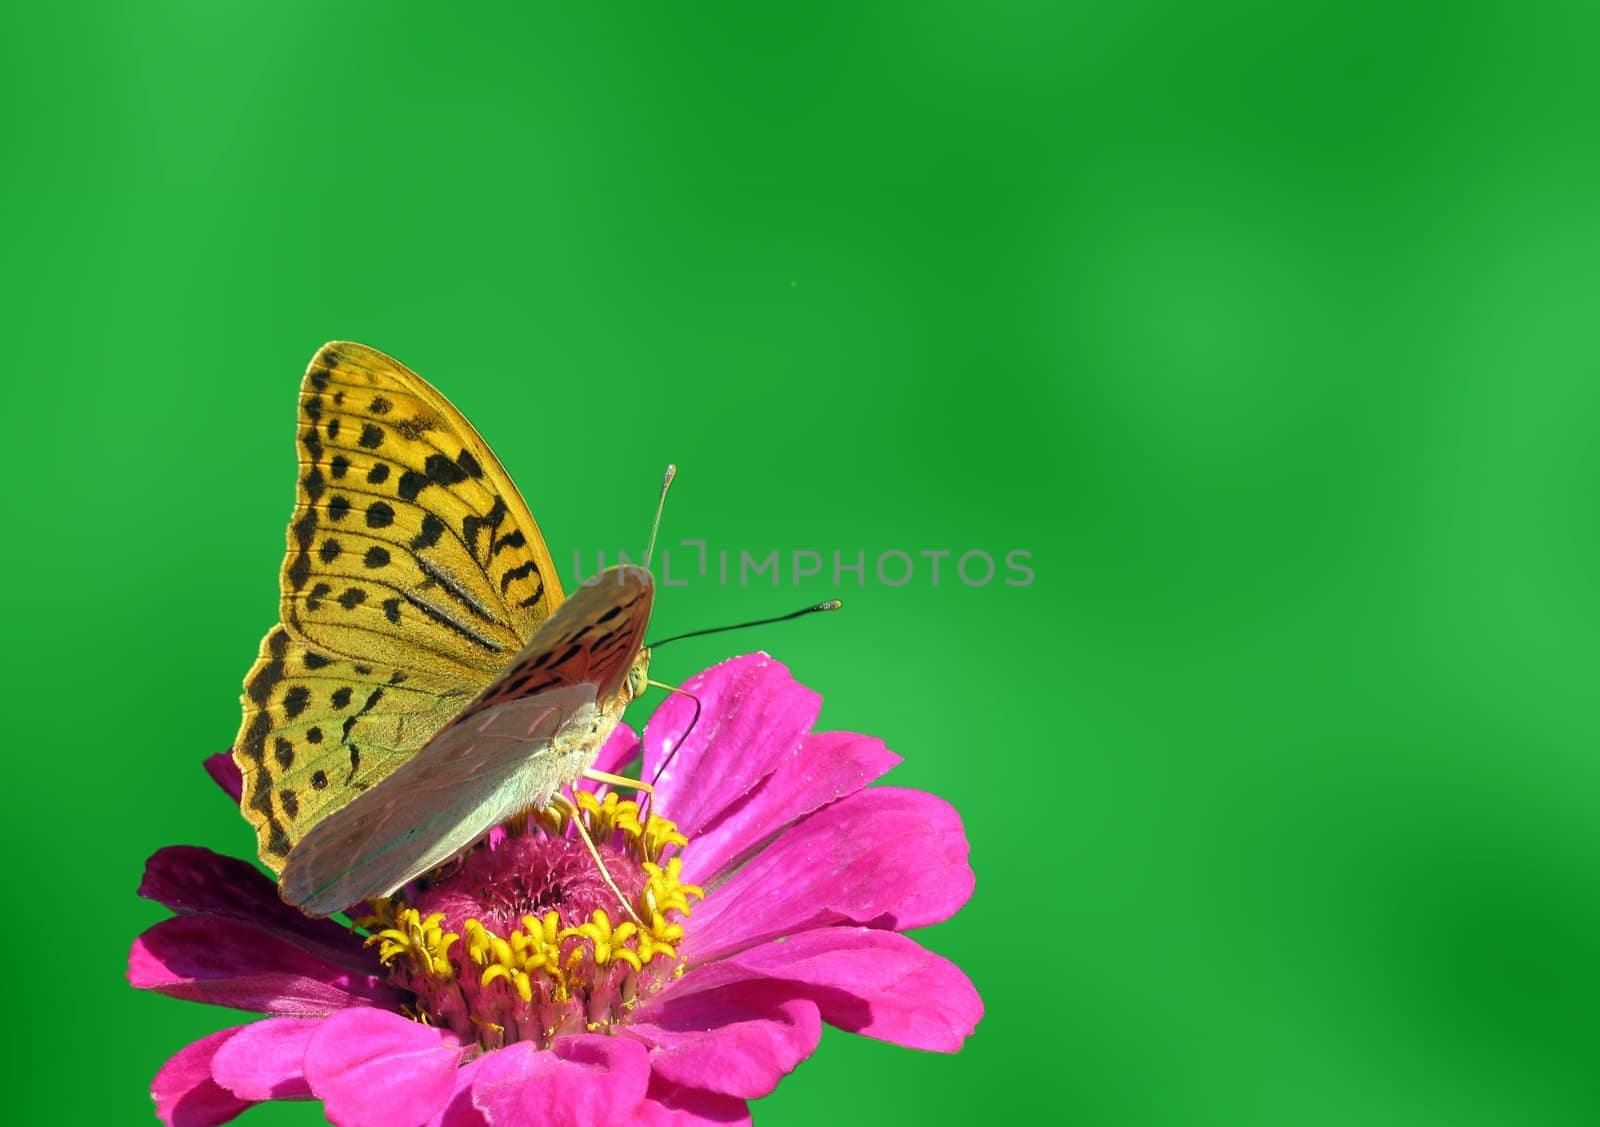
(831, 604)
(649, 792)
(661, 503)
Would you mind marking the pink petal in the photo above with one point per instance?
(826, 767)
(185, 1093)
(876, 983)
(620, 749)
(738, 1040)
(884, 857)
(583, 1081)
(191, 880)
(670, 1105)
(372, 1068)
(266, 1061)
(753, 715)
(225, 773)
(228, 963)
(458, 1110)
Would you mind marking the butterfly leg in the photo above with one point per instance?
(617, 780)
(576, 815)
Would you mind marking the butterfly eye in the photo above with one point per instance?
(639, 674)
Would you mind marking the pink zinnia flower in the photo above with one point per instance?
(510, 990)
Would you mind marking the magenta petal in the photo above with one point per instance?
(225, 773)
(583, 1081)
(372, 1068)
(266, 1061)
(826, 767)
(671, 1105)
(620, 749)
(228, 963)
(876, 983)
(185, 1093)
(753, 715)
(884, 857)
(458, 1110)
(191, 881)
(738, 1040)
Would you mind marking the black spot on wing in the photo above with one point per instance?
(380, 514)
(442, 471)
(474, 526)
(428, 535)
(371, 437)
(329, 551)
(509, 540)
(340, 466)
(313, 735)
(283, 750)
(341, 697)
(319, 780)
(411, 483)
(378, 474)
(415, 428)
(376, 557)
(352, 598)
(314, 660)
(338, 507)
(303, 531)
(379, 405)
(295, 701)
(512, 574)
(317, 594)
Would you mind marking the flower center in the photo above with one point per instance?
(524, 941)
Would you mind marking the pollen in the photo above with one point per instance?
(524, 941)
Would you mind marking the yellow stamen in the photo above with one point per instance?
(665, 890)
(606, 945)
(420, 941)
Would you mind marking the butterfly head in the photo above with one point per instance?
(638, 675)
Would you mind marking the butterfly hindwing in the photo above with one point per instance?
(536, 729)
(429, 809)
(318, 730)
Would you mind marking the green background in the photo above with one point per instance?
(1269, 333)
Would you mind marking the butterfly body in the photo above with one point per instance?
(426, 678)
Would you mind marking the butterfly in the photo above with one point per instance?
(426, 679)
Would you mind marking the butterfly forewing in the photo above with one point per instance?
(414, 573)
(594, 638)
